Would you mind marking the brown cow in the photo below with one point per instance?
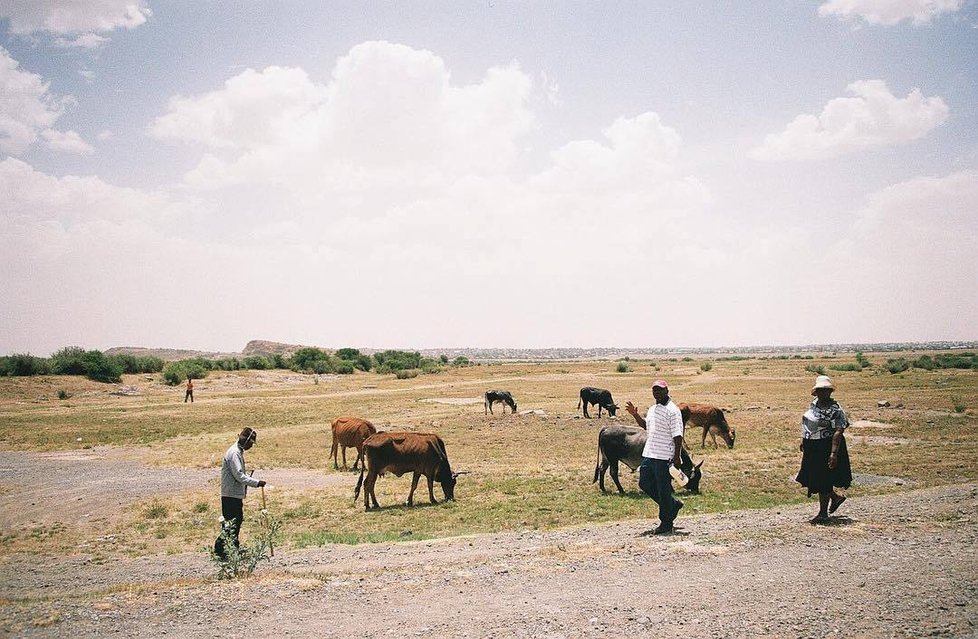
(401, 452)
(350, 432)
(711, 420)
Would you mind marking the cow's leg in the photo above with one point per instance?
(414, 486)
(585, 410)
(614, 477)
(368, 490)
(345, 467)
(600, 406)
(359, 456)
(703, 440)
(490, 409)
(332, 452)
(713, 436)
(431, 489)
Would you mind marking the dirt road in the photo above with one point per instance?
(902, 565)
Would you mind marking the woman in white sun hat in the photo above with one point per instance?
(824, 457)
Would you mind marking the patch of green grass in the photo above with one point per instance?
(156, 511)
(201, 507)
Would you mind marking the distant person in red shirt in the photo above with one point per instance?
(190, 391)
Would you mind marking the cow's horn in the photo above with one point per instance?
(459, 472)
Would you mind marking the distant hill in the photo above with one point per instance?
(265, 347)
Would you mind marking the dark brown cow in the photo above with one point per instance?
(711, 420)
(399, 453)
(350, 432)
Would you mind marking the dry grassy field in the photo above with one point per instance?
(526, 471)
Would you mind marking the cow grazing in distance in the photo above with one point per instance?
(599, 396)
(350, 432)
(403, 452)
(504, 397)
(619, 443)
(711, 420)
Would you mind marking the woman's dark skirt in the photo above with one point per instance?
(815, 474)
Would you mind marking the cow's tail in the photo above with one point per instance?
(363, 466)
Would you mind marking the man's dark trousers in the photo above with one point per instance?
(232, 509)
(656, 482)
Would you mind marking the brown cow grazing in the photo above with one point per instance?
(711, 420)
(350, 432)
(399, 453)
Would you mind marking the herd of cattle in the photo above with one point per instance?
(379, 453)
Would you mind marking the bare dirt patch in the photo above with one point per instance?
(865, 423)
(864, 569)
(90, 486)
(454, 401)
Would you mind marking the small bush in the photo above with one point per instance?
(846, 367)
(157, 511)
(818, 370)
(461, 361)
(345, 368)
(897, 365)
(201, 507)
(406, 373)
(241, 562)
(623, 367)
(706, 366)
(100, 368)
(958, 405)
(63, 394)
(443, 358)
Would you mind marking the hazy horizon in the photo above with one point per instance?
(510, 174)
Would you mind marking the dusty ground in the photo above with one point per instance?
(896, 565)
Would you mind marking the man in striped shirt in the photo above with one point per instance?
(664, 424)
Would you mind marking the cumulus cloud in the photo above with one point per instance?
(81, 19)
(889, 12)
(873, 117)
(388, 115)
(26, 106)
(67, 141)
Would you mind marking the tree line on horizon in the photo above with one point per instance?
(99, 367)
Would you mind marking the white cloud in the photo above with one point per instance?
(67, 141)
(73, 17)
(889, 12)
(83, 41)
(873, 117)
(389, 115)
(26, 106)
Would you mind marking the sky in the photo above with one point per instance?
(487, 174)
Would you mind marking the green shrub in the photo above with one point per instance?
(345, 368)
(257, 362)
(100, 368)
(157, 511)
(862, 361)
(846, 367)
(443, 359)
(897, 365)
(364, 363)
(68, 361)
(394, 360)
(279, 361)
(228, 364)
(958, 405)
(706, 366)
(63, 394)
(818, 370)
(23, 365)
(241, 562)
(310, 359)
(461, 361)
(176, 372)
(623, 367)
(406, 373)
(348, 354)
